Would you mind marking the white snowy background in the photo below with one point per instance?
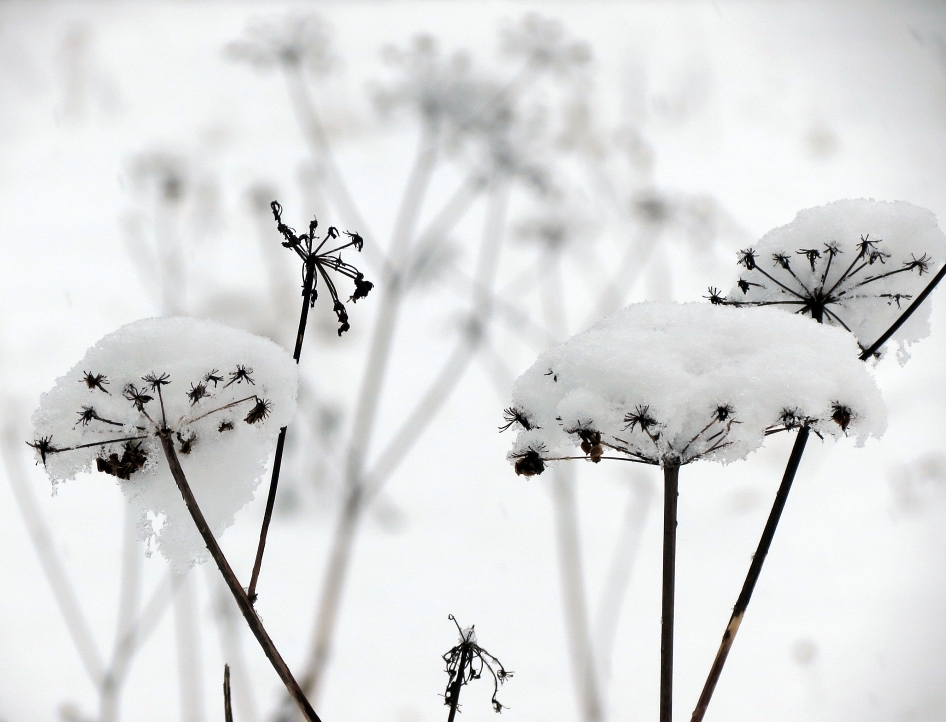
(736, 115)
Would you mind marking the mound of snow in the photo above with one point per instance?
(857, 263)
(222, 393)
(668, 383)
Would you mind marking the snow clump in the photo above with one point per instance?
(221, 393)
(852, 263)
(668, 383)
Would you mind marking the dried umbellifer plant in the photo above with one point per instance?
(196, 394)
(863, 265)
(317, 261)
(669, 384)
(467, 661)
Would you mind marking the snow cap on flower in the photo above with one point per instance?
(669, 383)
(856, 263)
(221, 393)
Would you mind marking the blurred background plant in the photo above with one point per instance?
(512, 188)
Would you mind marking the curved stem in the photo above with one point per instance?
(242, 600)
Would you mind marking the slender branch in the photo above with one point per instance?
(671, 492)
(356, 493)
(281, 441)
(457, 684)
(872, 349)
(755, 569)
(227, 707)
(256, 626)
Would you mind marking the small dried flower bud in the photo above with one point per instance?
(530, 464)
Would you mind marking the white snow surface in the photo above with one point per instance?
(712, 378)
(868, 285)
(227, 454)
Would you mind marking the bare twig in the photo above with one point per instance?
(755, 569)
(227, 709)
(256, 626)
(356, 492)
(281, 441)
(671, 492)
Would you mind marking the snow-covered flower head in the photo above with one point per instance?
(668, 383)
(852, 263)
(219, 393)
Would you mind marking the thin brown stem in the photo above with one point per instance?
(227, 707)
(755, 569)
(671, 492)
(242, 600)
(872, 349)
(457, 683)
(281, 441)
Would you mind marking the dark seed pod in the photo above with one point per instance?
(530, 464)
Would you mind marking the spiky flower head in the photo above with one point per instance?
(855, 264)
(668, 384)
(169, 372)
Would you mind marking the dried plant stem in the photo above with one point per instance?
(242, 600)
(905, 315)
(281, 441)
(671, 492)
(457, 684)
(752, 577)
(356, 492)
(227, 707)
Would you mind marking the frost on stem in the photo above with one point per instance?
(171, 384)
(467, 661)
(667, 384)
(852, 263)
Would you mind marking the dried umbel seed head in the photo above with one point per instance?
(851, 263)
(95, 381)
(196, 393)
(186, 441)
(668, 384)
(318, 262)
(259, 412)
(530, 463)
(512, 415)
(132, 459)
(841, 415)
(167, 395)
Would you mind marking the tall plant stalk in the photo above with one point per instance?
(360, 485)
(242, 600)
(781, 496)
(281, 441)
(755, 569)
(671, 492)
